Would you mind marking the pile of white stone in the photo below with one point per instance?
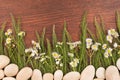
(10, 71)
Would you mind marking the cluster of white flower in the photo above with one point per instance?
(74, 63)
(91, 45)
(112, 33)
(34, 51)
(73, 45)
(21, 34)
(57, 58)
(59, 44)
(8, 35)
(108, 52)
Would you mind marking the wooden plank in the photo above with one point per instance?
(37, 14)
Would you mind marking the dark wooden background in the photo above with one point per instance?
(37, 14)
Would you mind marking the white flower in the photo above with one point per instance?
(104, 46)
(9, 32)
(99, 44)
(72, 45)
(106, 55)
(76, 60)
(113, 33)
(42, 59)
(59, 43)
(108, 52)
(77, 42)
(109, 38)
(115, 45)
(71, 54)
(32, 54)
(116, 35)
(57, 62)
(34, 51)
(35, 44)
(94, 47)
(73, 64)
(55, 55)
(28, 50)
(8, 40)
(37, 57)
(88, 46)
(88, 42)
(61, 64)
(22, 33)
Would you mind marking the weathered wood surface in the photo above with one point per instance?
(37, 14)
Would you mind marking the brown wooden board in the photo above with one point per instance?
(37, 14)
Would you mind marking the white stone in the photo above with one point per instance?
(112, 73)
(118, 63)
(8, 78)
(11, 70)
(4, 61)
(24, 74)
(48, 76)
(58, 75)
(100, 73)
(72, 76)
(37, 75)
(1, 74)
(88, 73)
(98, 79)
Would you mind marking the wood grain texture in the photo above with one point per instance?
(37, 14)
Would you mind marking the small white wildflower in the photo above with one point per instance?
(22, 33)
(94, 47)
(77, 42)
(72, 45)
(115, 45)
(57, 62)
(34, 51)
(119, 52)
(9, 32)
(61, 64)
(32, 54)
(99, 44)
(88, 42)
(38, 46)
(116, 35)
(73, 64)
(88, 46)
(106, 55)
(109, 38)
(8, 40)
(59, 43)
(55, 55)
(42, 59)
(104, 46)
(71, 54)
(37, 57)
(76, 60)
(113, 32)
(35, 44)
(28, 50)
(108, 52)
(42, 54)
